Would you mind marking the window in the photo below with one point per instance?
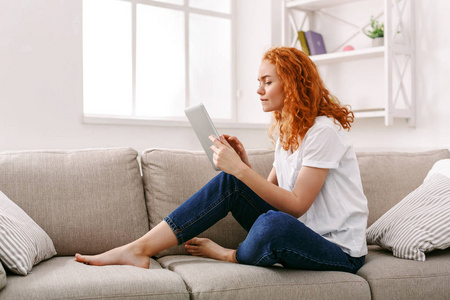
(151, 59)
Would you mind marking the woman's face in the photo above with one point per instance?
(270, 88)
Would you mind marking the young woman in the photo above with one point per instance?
(310, 213)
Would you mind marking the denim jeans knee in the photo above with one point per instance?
(266, 233)
(277, 237)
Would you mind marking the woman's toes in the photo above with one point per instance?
(82, 258)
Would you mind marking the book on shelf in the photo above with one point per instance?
(315, 43)
(303, 43)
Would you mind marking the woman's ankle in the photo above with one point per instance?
(231, 256)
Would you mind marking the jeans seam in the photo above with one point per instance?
(249, 200)
(308, 258)
(175, 229)
(178, 230)
(217, 202)
(206, 210)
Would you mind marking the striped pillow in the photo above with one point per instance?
(23, 243)
(418, 224)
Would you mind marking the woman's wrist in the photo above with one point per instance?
(242, 170)
(247, 163)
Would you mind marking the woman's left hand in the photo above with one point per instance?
(225, 157)
(238, 147)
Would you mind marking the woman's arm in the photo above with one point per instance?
(273, 176)
(296, 203)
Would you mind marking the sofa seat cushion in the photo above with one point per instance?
(63, 278)
(172, 176)
(390, 277)
(212, 279)
(88, 201)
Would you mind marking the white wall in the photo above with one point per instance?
(41, 82)
(433, 95)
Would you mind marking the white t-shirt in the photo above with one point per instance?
(339, 212)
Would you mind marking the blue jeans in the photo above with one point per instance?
(273, 236)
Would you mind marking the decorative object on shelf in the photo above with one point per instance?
(315, 43)
(348, 48)
(393, 20)
(303, 43)
(378, 42)
(377, 32)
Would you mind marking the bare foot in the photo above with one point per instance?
(206, 248)
(124, 255)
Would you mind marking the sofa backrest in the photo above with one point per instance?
(387, 177)
(87, 201)
(92, 200)
(172, 176)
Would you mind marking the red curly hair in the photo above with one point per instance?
(305, 97)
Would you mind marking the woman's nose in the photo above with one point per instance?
(260, 90)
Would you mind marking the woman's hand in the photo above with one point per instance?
(225, 156)
(238, 147)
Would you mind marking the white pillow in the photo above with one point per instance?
(442, 167)
(23, 243)
(418, 224)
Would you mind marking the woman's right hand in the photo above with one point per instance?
(238, 147)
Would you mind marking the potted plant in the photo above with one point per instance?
(377, 32)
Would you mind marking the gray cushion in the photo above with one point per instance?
(87, 201)
(63, 278)
(212, 279)
(2, 277)
(395, 278)
(387, 177)
(172, 176)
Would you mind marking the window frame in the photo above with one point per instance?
(133, 118)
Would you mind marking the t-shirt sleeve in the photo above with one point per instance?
(323, 148)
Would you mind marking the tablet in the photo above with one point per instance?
(203, 127)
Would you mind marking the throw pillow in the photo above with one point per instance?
(441, 166)
(418, 224)
(23, 243)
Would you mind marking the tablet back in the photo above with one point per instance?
(203, 127)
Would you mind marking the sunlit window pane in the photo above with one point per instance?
(210, 64)
(223, 6)
(152, 43)
(160, 62)
(178, 2)
(107, 57)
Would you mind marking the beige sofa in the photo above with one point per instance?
(92, 200)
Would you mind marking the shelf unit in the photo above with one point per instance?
(398, 52)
